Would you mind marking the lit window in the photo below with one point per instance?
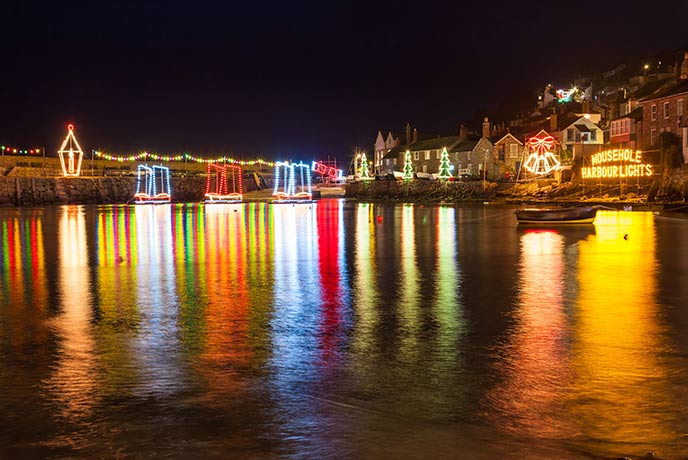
(513, 150)
(653, 112)
(427, 155)
(653, 136)
(666, 110)
(679, 107)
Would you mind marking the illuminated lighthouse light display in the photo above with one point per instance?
(71, 165)
(217, 186)
(541, 161)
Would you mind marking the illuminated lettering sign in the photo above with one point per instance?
(618, 163)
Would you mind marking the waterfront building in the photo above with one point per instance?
(624, 130)
(664, 112)
(508, 152)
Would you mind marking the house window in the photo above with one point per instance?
(438, 154)
(679, 107)
(513, 151)
(469, 157)
(415, 155)
(653, 112)
(653, 136)
(593, 135)
(469, 167)
(569, 134)
(666, 110)
(427, 155)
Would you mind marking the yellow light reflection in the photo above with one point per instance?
(621, 383)
(74, 379)
(365, 291)
(409, 298)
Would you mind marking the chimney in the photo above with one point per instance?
(553, 121)
(486, 127)
(408, 133)
(463, 132)
(415, 135)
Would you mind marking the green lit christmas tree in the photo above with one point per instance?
(408, 167)
(365, 173)
(444, 172)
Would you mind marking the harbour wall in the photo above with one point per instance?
(32, 191)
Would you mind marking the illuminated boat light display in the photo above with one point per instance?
(292, 182)
(217, 188)
(156, 185)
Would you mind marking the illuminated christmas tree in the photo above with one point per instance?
(408, 167)
(444, 172)
(365, 173)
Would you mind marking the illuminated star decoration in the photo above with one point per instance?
(541, 161)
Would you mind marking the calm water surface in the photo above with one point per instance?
(340, 330)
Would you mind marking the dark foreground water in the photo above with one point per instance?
(340, 330)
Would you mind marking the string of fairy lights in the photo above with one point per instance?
(144, 156)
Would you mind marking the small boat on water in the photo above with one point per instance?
(674, 215)
(574, 215)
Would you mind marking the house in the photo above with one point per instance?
(663, 111)
(508, 152)
(474, 157)
(624, 130)
(576, 134)
(426, 154)
(383, 144)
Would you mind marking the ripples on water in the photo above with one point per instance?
(339, 330)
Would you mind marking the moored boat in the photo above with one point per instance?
(573, 215)
(675, 215)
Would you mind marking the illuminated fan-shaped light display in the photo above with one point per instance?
(152, 185)
(71, 166)
(292, 181)
(541, 161)
(217, 186)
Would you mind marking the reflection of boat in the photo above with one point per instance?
(571, 233)
(575, 215)
(675, 215)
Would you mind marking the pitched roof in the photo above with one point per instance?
(434, 144)
(636, 114)
(465, 146)
(499, 137)
(395, 152)
(679, 88)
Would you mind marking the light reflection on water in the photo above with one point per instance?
(339, 330)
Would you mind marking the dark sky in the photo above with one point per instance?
(300, 80)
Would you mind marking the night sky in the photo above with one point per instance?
(299, 80)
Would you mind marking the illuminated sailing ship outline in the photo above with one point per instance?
(221, 193)
(151, 195)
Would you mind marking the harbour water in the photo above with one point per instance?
(338, 329)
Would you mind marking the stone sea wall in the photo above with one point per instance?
(29, 191)
(418, 190)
